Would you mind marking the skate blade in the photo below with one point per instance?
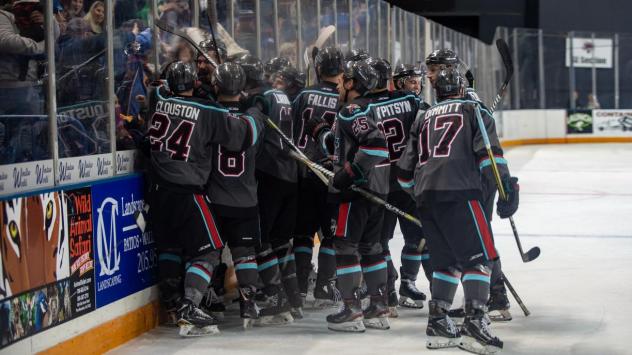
(500, 315)
(354, 326)
(381, 323)
(470, 344)
(248, 323)
(393, 312)
(189, 330)
(278, 319)
(434, 342)
(410, 303)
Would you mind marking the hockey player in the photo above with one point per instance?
(273, 66)
(314, 213)
(181, 131)
(289, 80)
(498, 304)
(355, 55)
(277, 194)
(441, 165)
(232, 189)
(395, 113)
(408, 77)
(205, 69)
(361, 159)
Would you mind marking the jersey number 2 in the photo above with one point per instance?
(450, 125)
(177, 144)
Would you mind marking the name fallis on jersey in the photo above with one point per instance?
(322, 101)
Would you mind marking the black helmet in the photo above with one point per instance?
(405, 71)
(275, 64)
(442, 56)
(364, 77)
(357, 54)
(230, 78)
(292, 76)
(329, 62)
(449, 83)
(209, 45)
(252, 66)
(181, 77)
(383, 69)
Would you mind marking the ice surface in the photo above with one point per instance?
(576, 205)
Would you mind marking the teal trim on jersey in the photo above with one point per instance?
(327, 251)
(253, 126)
(246, 266)
(406, 184)
(195, 270)
(305, 250)
(287, 258)
(388, 258)
(191, 103)
(425, 257)
(348, 270)
(411, 257)
(375, 152)
(268, 264)
(170, 257)
(273, 90)
(478, 230)
(476, 277)
(487, 162)
(446, 278)
(373, 268)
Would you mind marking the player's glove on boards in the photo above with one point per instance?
(349, 175)
(506, 208)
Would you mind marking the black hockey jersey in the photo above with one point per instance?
(359, 140)
(181, 132)
(275, 159)
(395, 113)
(446, 153)
(321, 99)
(232, 185)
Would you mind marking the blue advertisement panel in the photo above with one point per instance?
(125, 255)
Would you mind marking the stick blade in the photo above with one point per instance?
(505, 54)
(531, 255)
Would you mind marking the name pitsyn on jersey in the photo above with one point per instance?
(446, 154)
(321, 99)
(181, 132)
(274, 159)
(232, 182)
(359, 141)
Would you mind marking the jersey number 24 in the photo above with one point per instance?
(177, 144)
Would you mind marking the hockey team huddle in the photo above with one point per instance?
(245, 156)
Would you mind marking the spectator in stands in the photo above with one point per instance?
(593, 103)
(72, 9)
(96, 17)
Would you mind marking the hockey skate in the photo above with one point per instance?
(349, 317)
(410, 296)
(376, 315)
(476, 336)
(441, 331)
(498, 305)
(195, 322)
(392, 304)
(296, 304)
(247, 307)
(213, 304)
(326, 294)
(278, 310)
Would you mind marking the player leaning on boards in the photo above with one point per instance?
(182, 130)
(441, 167)
(361, 159)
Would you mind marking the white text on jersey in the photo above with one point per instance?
(443, 109)
(393, 109)
(179, 110)
(322, 101)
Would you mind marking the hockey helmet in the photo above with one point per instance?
(449, 83)
(357, 54)
(383, 69)
(364, 76)
(181, 77)
(275, 64)
(252, 66)
(329, 61)
(229, 78)
(442, 57)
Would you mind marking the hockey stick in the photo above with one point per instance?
(515, 295)
(212, 21)
(503, 49)
(323, 35)
(167, 28)
(324, 175)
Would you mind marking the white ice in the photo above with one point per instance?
(576, 205)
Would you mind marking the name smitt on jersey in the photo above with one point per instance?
(443, 109)
(179, 110)
(393, 109)
(322, 101)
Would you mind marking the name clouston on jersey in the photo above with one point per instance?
(177, 109)
(322, 101)
(393, 109)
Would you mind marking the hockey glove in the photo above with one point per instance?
(349, 175)
(506, 209)
(315, 126)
